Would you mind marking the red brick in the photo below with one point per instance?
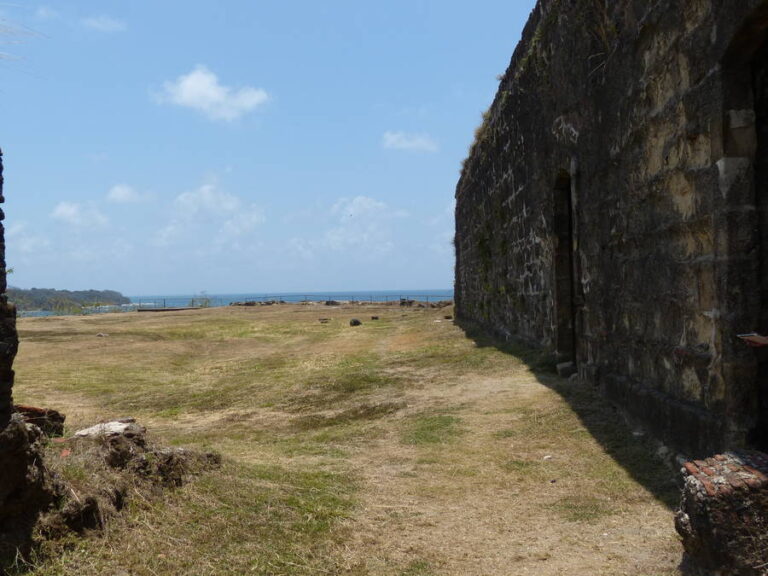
(692, 469)
(756, 473)
(708, 486)
(721, 458)
(708, 471)
(736, 482)
(699, 463)
(753, 483)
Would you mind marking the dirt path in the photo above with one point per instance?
(456, 510)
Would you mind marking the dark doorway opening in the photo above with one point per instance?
(564, 275)
(758, 437)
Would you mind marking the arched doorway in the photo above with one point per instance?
(565, 312)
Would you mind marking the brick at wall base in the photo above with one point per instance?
(723, 516)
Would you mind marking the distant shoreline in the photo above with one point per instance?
(154, 302)
(216, 300)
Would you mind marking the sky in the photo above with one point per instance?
(229, 146)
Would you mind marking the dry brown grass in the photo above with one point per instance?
(398, 447)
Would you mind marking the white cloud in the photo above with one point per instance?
(78, 215)
(445, 216)
(24, 241)
(301, 249)
(208, 198)
(442, 224)
(227, 218)
(200, 90)
(363, 226)
(104, 23)
(46, 13)
(442, 245)
(124, 194)
(411, 142)
(241, 223)
(358, 206)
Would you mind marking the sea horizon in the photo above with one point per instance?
(220, 299)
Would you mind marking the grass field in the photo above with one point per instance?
(397, 447)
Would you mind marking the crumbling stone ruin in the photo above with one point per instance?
(723, 519)
(614, 210)
(116, 459)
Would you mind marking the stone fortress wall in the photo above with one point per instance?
(8, 338)
(614, 208)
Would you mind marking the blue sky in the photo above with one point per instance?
(242, 146)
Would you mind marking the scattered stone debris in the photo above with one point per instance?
(409, 303)
(324, 320)
(374, 317)
(259, 303)
(111, 460)
(101, 335)
(116, 460)
(50, 421)
(723, 516)
(355, 322)
(332, 303)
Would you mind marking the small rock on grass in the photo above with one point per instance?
(355, 322)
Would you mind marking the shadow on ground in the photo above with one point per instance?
(636, 454)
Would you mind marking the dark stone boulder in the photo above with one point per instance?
(355, 322)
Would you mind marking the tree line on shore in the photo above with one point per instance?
(63, 300)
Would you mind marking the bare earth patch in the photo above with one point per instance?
(397, 447)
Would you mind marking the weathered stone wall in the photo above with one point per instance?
(26, 486)
(611, 206)
(8, 338)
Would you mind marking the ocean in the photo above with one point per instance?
(212, 300)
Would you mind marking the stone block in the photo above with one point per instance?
(723, 515)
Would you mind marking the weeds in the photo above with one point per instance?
(433, 429)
